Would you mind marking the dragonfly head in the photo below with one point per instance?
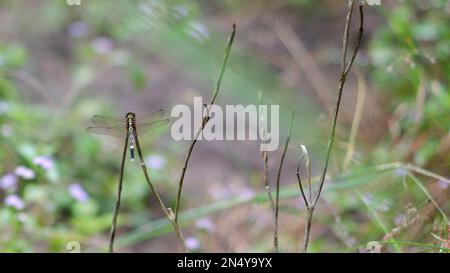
(130, 115)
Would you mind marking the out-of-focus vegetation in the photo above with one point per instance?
(59, 65)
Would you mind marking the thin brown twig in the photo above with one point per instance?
(345, 68)
(308, 202)
(117, 206)
(167, 211)
(205, 120)
(277, 196)
(308, 173)
(268, 188)
(299, 179)
(265, 156)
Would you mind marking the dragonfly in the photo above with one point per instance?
(127, 127)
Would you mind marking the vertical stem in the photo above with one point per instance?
(343, 79)
(265, 156)
(169, 214)
(307, 229)
(183, 172)
(267, 187)
(277, 196)
(205, 120)
(345, 68)
(117, 206)
(299, 179)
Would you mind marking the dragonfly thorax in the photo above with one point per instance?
(130, 118)
(131, 121)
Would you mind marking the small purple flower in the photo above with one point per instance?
(192, 243)
(248, 193)
(102, 45)
(401, 171)
(180, 11)
(44, 162)
(77, 192)
(15, 202)
(443, 184)
(367, 198)
(25, 173)
(148, 8)
(199, 31)
(155, 162)
(8, 181)
(205, 224)
(217, 191)
(78, 29)
(400, 219)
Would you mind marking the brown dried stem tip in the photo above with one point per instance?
(205, 120)
(345, 68)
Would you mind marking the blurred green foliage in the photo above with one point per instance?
(411, 58)
(68, 193)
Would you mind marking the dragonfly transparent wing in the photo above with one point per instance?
(145, 123)
(105, 121)
(143, 128)
(149, 118)
(115, 131)
(110, 126)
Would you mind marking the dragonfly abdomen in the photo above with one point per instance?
(131, 139)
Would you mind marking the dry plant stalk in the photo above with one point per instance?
(345, 68)
(277, 196)
(265, 158)
(117, 206)
(167, 211)
(205, 121)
